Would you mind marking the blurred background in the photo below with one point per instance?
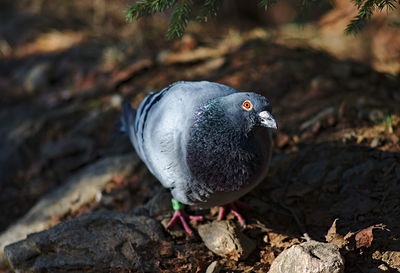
(66, 66)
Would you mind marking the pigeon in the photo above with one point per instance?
(208, 143)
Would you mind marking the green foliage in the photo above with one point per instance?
(179, 19)
(183, 10)
(144, 8)
(267, 3)
(209, 9)
(366, 9)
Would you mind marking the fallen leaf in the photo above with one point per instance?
(280, 240)
(365, 236)
(337, 239)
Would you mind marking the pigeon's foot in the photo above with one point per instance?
(182, 216)
(234, 209)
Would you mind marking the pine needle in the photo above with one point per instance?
(179, 19)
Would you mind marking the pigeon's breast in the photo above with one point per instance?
(225, 165)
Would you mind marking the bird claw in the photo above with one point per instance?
(234, 209)
(181, 215)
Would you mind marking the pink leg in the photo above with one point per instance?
(222, 212)
(180, 215)
(234, 209)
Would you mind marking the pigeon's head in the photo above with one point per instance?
(248, 110)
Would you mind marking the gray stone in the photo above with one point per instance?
(99, 242)
(160, 204)
(310, 257)
(225, 239)
(78, 190)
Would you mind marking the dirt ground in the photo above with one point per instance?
(65, 69)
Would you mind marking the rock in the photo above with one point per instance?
(225, 239)
(160, 204)
(312, 256)
(98, 242)
(78, 190)
(214, 267)
(158, 207)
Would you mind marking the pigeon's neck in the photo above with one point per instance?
(220, 156)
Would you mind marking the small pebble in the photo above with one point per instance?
(214, 267)
(225, 239)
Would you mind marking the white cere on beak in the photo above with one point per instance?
(267, 120)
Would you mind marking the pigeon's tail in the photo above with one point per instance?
(127, 120)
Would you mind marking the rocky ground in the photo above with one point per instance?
(68, 176)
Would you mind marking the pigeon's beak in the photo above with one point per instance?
(267, 120)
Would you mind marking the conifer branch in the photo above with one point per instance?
(179, 19)
(138, 10)
(366, 8)
(209, 9)
(267, 3)
(144, 8)
(181, 13)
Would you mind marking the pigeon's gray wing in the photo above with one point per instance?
(161, 125)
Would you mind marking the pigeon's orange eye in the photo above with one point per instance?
(247, 105)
